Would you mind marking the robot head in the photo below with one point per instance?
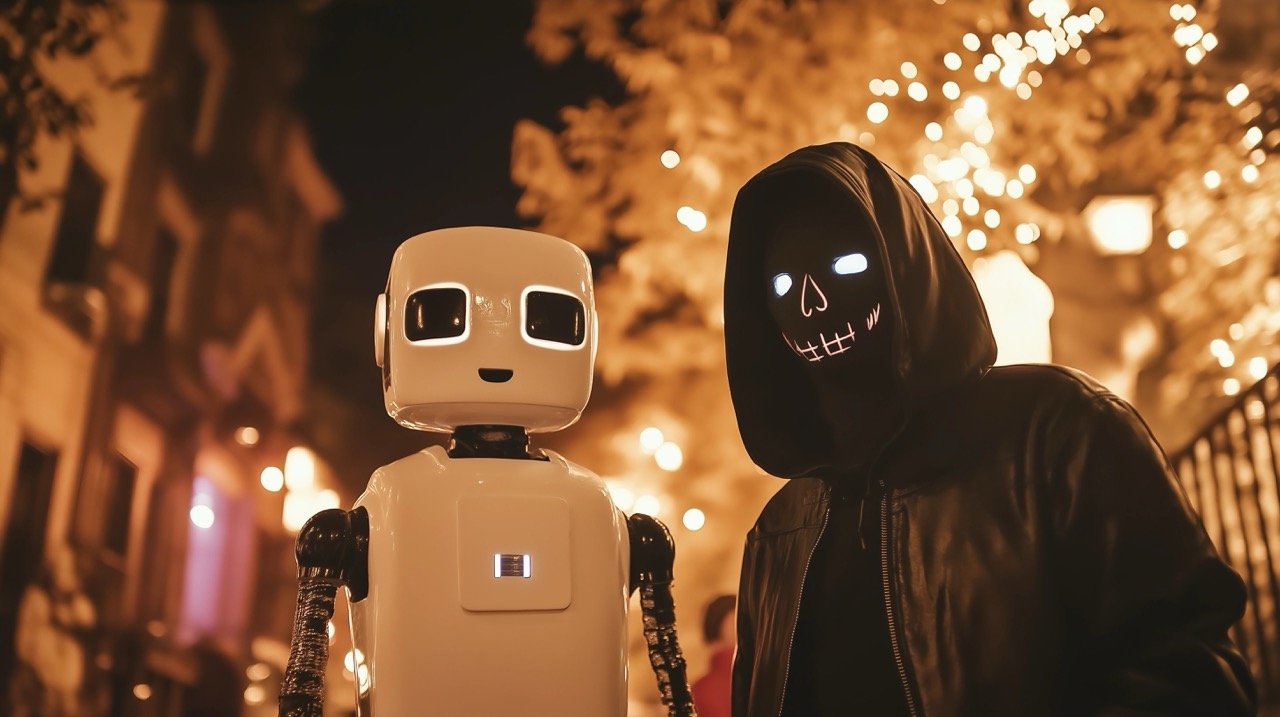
(483, 325)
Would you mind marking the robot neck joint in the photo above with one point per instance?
(491, 441)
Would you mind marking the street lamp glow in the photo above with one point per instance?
(1120, 224)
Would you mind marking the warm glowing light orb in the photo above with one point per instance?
(1217, 347)
(694, 519)
(1212, 179)
(1231, 386)
(669, 457)
(877, 112)
(977, 240)
(255, 695)
(1177, 239)
(300, 468)
(272, 479)
(933, 131)
(928, 192)
(951, 225)
(1120, 224)
(670, 159)
(202, 516)
(1258, 368)
(622, 496)
(647, 504)
(248, 435)
(1019, 306)
(651, 438)
(1237, 94)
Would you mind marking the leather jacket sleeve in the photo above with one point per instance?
(744, 655)
(1148, 597)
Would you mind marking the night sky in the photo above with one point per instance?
(411, 107)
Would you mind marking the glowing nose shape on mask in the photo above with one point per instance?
(824, 284)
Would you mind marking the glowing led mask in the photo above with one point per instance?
(824, 281)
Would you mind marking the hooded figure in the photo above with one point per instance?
(953, 538)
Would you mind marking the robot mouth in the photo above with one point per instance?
(496, 375)
(837, 344)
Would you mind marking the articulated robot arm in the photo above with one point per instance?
(653, 552)
(332, 550)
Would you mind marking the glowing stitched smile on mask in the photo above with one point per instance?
(839, 342)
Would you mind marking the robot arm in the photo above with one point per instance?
(653, 553)
(332, 550)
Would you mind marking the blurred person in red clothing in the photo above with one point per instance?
(711, 692)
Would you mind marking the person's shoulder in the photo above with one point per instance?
(1049, 385)
(797, 504)
(1071, 404)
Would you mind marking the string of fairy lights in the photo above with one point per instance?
(967, 186)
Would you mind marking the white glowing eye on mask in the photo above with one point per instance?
(849, 264)
(781, 284)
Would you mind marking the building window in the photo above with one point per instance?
(163, 259)
(77, 228)
(22, 552)
(117, 505)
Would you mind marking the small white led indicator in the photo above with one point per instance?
(511, 565)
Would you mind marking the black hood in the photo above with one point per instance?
(941, 333)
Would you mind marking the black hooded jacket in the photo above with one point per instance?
(1037, 554)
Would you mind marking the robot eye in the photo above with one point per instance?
(435, 314)
(554, 317)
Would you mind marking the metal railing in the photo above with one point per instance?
(1231, 472)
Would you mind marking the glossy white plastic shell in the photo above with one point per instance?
(427, 654)
(435, 385)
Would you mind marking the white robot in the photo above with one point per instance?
(487, 578)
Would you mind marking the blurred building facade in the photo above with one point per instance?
(153, 355)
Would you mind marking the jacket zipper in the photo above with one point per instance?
(795, 622)
(888, 604)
